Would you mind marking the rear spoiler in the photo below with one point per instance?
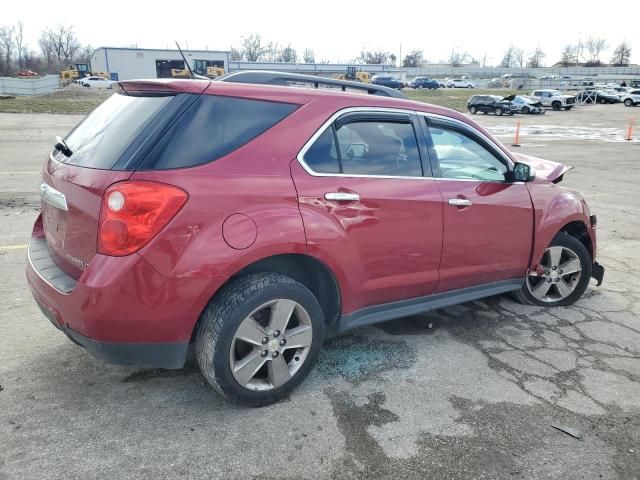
(161, 88)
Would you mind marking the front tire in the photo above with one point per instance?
(556, 105)
(499, 112)
(568, 108)
(565, 274)
(525, 110)
(628, 102)
(473, 110)
(259, 338)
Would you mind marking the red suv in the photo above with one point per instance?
(255, 220)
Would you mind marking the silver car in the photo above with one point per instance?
(525, 105)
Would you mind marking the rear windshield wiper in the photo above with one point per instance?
(62, 146)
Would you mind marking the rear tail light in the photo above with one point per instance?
(133, 212)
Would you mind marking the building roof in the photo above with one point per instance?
(185, 50)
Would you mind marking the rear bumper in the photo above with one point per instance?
(121, 309)
(151, 355)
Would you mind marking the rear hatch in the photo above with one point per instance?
(74, 179)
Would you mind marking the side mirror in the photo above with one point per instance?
(523, 173)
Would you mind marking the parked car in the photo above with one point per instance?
(631, 98)
(554, 99)
(460, 83)
(597, 95)
(387, 81)
(635, 84)
(489, 104)
(424, 82)
(27, 74)
(95, 82)
(526, 105)
(173, 214)
(442, 83)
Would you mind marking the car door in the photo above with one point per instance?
(487, 219)
(369, 211)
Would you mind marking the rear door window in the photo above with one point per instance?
(101, 138)
(213, 127)
(369, 148)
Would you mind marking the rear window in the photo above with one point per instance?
(213, 127)
(101, 138)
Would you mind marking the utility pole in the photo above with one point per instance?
(400, 62)
(578, 49)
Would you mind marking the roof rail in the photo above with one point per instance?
(266, 77)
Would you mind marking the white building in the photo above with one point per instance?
(129, 63)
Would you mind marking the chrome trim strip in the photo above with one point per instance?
(327, 124)
(469, 128)
(53, 197)
(339, 113)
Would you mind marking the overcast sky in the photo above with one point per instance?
(337, 30)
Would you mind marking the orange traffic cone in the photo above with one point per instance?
(629, 136)
(516, 140)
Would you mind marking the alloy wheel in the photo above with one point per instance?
(271, 345)
(560, 275)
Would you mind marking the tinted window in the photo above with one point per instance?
(461, 157)
(101, 138)
(322, 156)
(379, 148)
(367, 148)
(214, 126)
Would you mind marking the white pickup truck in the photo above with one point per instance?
(555, 99)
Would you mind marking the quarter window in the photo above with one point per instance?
(367, 148)
(461, 157)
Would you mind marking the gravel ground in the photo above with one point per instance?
(472, 396)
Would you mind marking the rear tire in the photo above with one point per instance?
(573, 284)
(568, 108)
(525, 110)
(628, 102)
(249, 302)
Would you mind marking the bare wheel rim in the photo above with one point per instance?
(270, 345)
(559, 276)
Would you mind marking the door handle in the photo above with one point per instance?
(342, 196)
(460, 202)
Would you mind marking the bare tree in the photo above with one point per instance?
(235, 54)
(308, 56)
(253, 49)
(594, 47)
(457, 58)
(413, 59)
(518, 57)
(6, 47)
(289, 54)
(61, 44)
(569, 56)
(511, 57)
(374, 57)
(535, 58)
(19, 40)
(621, 55)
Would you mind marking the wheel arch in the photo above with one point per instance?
(578, 229)
(306, 269)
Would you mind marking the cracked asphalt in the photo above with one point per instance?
(465, 392)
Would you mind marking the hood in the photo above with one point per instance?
(545, 169)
